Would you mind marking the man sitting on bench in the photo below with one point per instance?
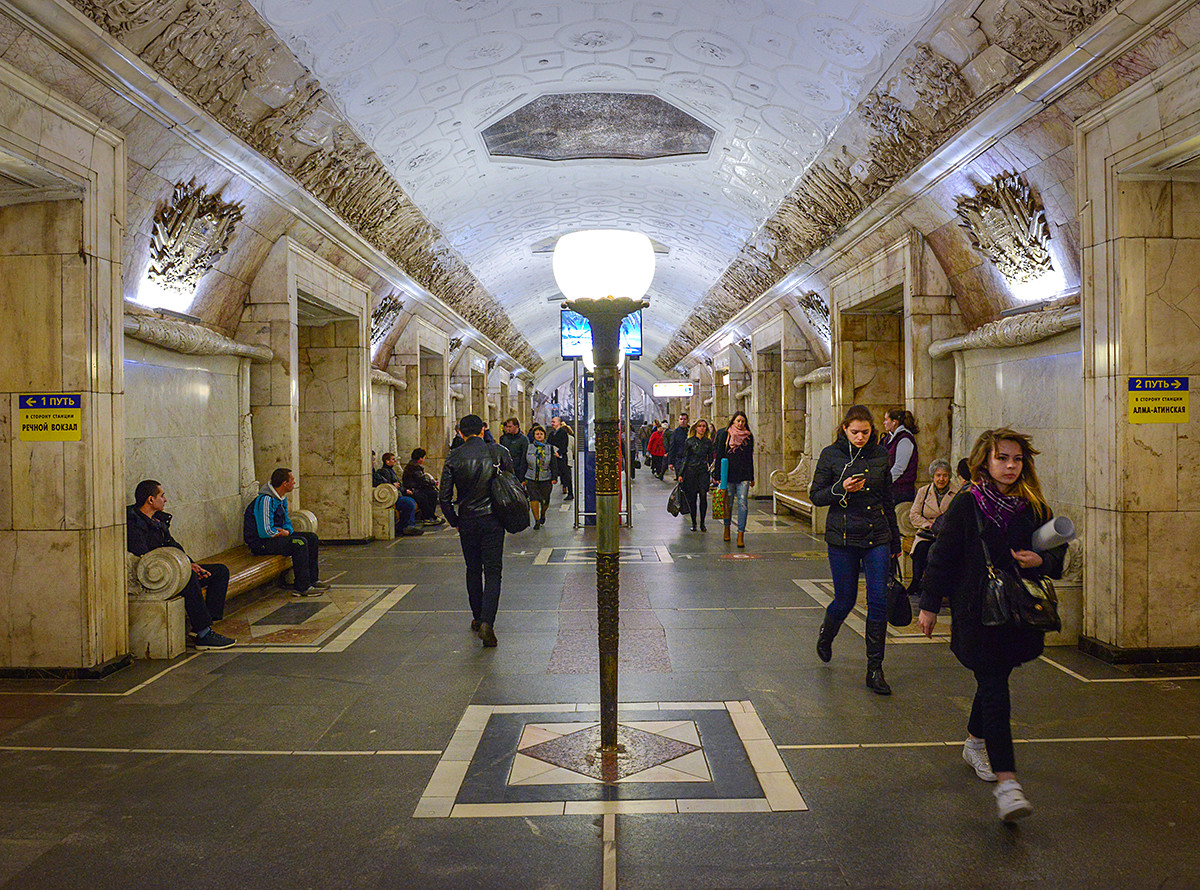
(267, 528)
(149, 528)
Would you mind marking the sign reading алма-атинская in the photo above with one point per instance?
(1158, 400)
(50, 417)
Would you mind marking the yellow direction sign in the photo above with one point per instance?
(50, 417)
(1158, 399)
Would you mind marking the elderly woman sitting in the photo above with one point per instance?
(930, 503)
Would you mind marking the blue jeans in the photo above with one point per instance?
(406, 512)
(846, 563)
(740, 491)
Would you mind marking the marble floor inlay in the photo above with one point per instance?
(579, 752)
(535, 760)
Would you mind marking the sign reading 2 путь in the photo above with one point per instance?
(50, 417)
(1158, 399)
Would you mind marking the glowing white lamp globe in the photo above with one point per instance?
(598, 263)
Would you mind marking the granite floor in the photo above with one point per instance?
(367, 740)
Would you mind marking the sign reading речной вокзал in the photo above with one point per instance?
(1158, 400)
(50, 417)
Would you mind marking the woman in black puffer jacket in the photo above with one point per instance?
(853, 479)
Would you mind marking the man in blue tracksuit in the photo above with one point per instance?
(267, 528)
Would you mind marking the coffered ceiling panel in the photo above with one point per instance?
(422, 79)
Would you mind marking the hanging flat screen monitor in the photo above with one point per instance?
(576, 334)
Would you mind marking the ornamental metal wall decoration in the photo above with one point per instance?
(1007, 224)
(817, 313)
(383, 316)
(190, 234)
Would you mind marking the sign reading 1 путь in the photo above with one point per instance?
(1158, 399)
(50, 417)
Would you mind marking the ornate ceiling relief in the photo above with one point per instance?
(816, 310)
(1007, 224)
(221, 55)
(190, 234)
(893, 140)
(383, 316)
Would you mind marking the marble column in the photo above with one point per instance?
(766, 415)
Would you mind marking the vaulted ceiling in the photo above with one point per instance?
(689, 121)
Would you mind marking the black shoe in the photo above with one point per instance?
(321, 585)
(412, 531)
(569, 497)
(475, 625)
(487, 635)
(703, 527)
(693, 525)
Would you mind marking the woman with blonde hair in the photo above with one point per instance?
(999, 511)
(694, 471)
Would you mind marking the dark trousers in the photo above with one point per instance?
(845, 564)
(205, 607)
(657, 465)
(691, 497)
(564, 476)
(482, 542)
(991, 718)
(301, 547)
(426, 499)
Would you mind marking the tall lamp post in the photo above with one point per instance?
(604, 274)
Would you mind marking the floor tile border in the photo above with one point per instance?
(780, 793)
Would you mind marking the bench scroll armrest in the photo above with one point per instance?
(384, 495)
(304, 521)
(158, 575)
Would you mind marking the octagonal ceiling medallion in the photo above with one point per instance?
(588, 126)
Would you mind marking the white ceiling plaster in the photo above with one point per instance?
(421, 79)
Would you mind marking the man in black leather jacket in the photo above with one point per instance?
(466, 498)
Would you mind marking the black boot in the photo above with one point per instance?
(829, 629)
(876, 637)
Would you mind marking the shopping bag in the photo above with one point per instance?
(674, 501)
(720, 505)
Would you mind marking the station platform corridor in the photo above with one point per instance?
(365, 739)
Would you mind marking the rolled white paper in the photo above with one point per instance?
(1058, 530)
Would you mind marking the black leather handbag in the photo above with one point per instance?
(1010, 598)
(509, 503)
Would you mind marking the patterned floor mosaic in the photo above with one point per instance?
(275, 621)
(541, 760)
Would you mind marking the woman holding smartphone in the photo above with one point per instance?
(853, 479)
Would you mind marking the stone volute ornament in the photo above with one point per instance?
(383, 316)
(190, 234)
(817, 312)
(1007, 224)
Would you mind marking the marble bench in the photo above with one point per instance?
(790, 492)
(155, 581)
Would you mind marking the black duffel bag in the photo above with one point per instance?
(509, 502)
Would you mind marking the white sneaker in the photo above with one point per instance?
(1011, 801)
(977, 758)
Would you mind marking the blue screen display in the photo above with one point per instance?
(576, 334)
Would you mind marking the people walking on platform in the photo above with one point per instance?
(539, 474)
(999, 511)
(517, 444)
(695, 470)
(853, 479)
(675, 441)
(735, 443)
(466, 498)
(560, 439)
(657, 451)
(901, 428)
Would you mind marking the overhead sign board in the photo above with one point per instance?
(1158, 400)
(50, 417)
(673, 389)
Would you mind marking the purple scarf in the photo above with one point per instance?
(999, 509)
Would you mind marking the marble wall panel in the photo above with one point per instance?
(1172, 306)
(1185, 209)
(1133, 605)
(45, 620)
(33, 303)
(1148, 467)
(381, 419)
(1173, 579)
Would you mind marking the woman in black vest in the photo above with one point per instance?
(1000, 510)
(853, 479)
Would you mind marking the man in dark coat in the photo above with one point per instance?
(466, 498)
(677, 443)
(148, 528)
(517, 444)
(560, 440)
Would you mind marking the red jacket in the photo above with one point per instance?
(655, 445)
